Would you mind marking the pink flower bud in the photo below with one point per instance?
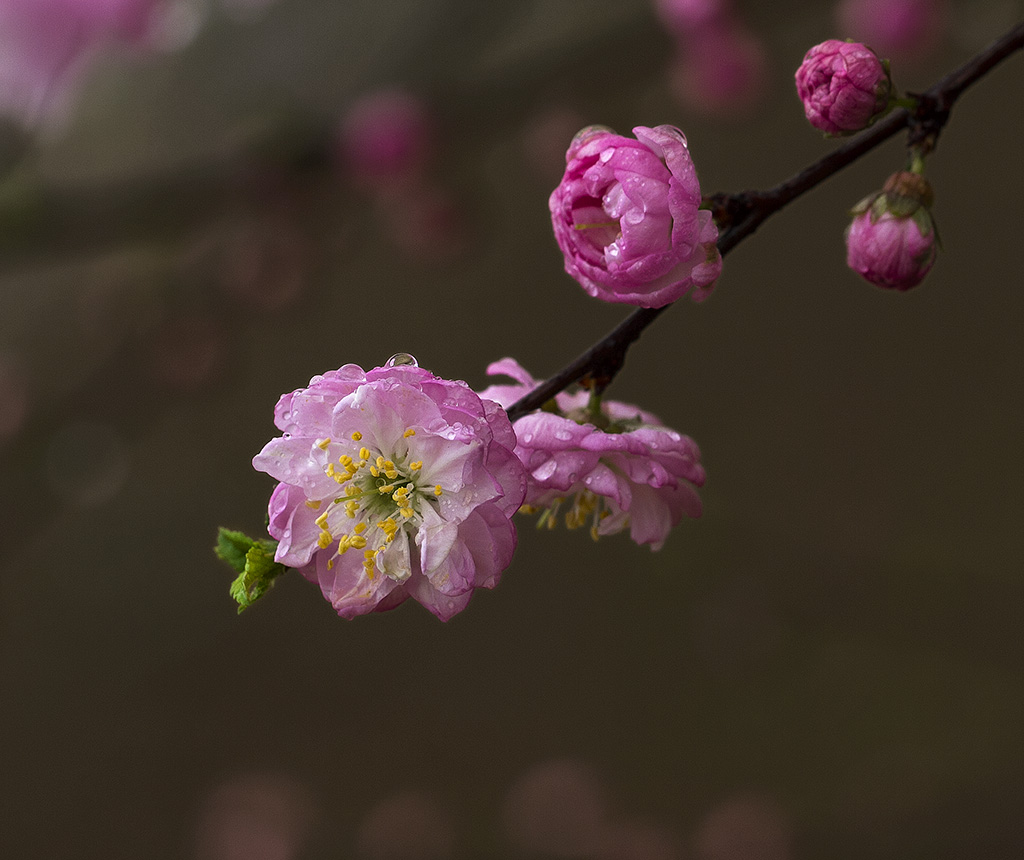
(626, 216)
(843, 85)
(891, 241)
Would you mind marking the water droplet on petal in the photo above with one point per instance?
(563, 435)
(402, 359)
(527, 438)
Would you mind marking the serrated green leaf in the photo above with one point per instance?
(258, 576)
(232, 547)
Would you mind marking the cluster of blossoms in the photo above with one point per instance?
(395, 483)
(891, 241)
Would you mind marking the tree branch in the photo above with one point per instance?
(743, 212)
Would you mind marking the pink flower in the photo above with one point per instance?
(43, 44)
(721, 70)
(907, 27)
(683, 17)
(891, 241)
(394, 484)
(633, 472)
(386, 137)
(627, 220)
(844, 87)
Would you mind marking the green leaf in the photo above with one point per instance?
(232, 547)
(258, 576)
(253, 560)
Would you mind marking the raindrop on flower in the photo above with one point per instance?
(563, 435)
(402, 359)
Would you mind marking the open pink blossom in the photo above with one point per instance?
(394, 484)
(891, 241)
(626, 216)
(44, 43)
(844, 87)
(633, 472)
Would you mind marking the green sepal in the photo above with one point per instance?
(253, 560)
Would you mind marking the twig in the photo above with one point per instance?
(743, 212)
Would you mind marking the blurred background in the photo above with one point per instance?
(203, 204)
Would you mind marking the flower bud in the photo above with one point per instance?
(628, 220)
(891, 241)
(843, 85)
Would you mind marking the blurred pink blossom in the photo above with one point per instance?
(44, 45)
(411, 825)
(904, 29)
(721, 71)
(683, 17)
(255, 816)
(386, 138)
(626, 216)
(558, 808)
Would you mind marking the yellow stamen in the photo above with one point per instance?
(437, 490)
(314, 504)
(357, 541)
(323, 443)
(320, 520)
(345, 460)
(359, 528)
(409, 432)
(364, 453)
(374, 471)
(356, 436)
(324, 540)
(387, 488)
(416, 465)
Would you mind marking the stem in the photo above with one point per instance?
(743, 212)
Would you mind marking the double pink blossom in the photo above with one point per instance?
(630, 472)
(395, 483)
(844, 87)
(627, 218)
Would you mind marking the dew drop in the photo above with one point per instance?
(527, 438)
(402, 359)
(563, 435)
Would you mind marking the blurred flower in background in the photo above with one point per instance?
(255, 816)
(896, 29)
(46, 44)
(719, 64)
